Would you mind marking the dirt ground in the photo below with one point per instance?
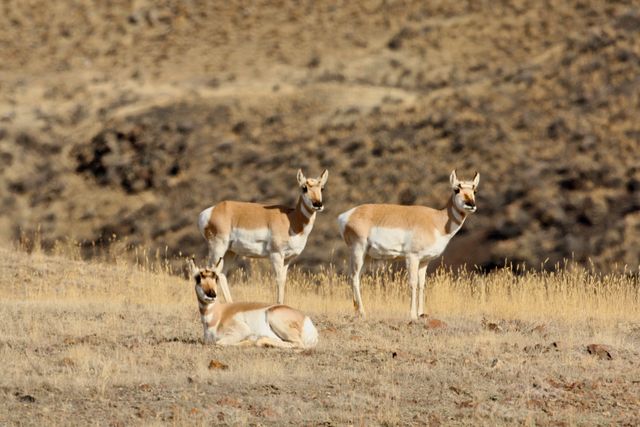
(89, 343)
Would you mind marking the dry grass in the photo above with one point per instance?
(111, 342)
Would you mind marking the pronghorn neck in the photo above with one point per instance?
(302, 216)
(454, 217)
(209, 313)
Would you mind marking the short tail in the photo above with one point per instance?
(309, 333)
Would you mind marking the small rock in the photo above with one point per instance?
(496, 363)
(229, 401)
(435, 324)
(533, 349)
(540, 329)
(216, 364)
(268, 413)
(493, 327)
(600, 350)
(67, 361)
(556, 345)
(27, 398)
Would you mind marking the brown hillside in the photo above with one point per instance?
(128, 118)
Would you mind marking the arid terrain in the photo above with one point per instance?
(93, 343)
(120, 121)
(128, 118)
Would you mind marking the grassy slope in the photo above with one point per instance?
(113, 343)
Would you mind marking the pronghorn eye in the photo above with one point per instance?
(304, 188)
(456, 190)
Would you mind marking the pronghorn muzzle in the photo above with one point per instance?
(470, 206)
(207, 296)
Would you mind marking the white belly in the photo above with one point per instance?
(388, 242)
(250, 242)
(385, 243)
(257, 322)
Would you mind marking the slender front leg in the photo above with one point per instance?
(357, 261)
(280, 268)
(412, 270)
(422, 277)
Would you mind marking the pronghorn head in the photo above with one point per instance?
(206, 282)
(312, 190)
(464, 192)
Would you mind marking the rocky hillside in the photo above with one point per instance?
(127, 118)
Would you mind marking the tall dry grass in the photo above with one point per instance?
(121, 275)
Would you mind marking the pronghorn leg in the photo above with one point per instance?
(270, 342)
(422, 276)
(412, 270)
(280, 267)
(237, 334)
(227, 263)
(287, 323)
(217, 249)
(357, 261)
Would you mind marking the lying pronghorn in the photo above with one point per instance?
(248, 323)
(416, 233)
(254, 230)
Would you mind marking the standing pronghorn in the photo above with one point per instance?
(248, 323)
(416, 233)
(254, 230)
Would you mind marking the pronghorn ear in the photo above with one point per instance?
(476, 179)
(323, 178)
(453, 179)
(193, 270)
(301, 178)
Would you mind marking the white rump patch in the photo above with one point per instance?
(203, 219)
(309, 333)
(343, 220)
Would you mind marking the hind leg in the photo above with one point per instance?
(287, 323)
(412, 270)
(270, 342)
(357, 261)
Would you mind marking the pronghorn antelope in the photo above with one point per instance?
(254, 230)
(416, 233)
(248, 323)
